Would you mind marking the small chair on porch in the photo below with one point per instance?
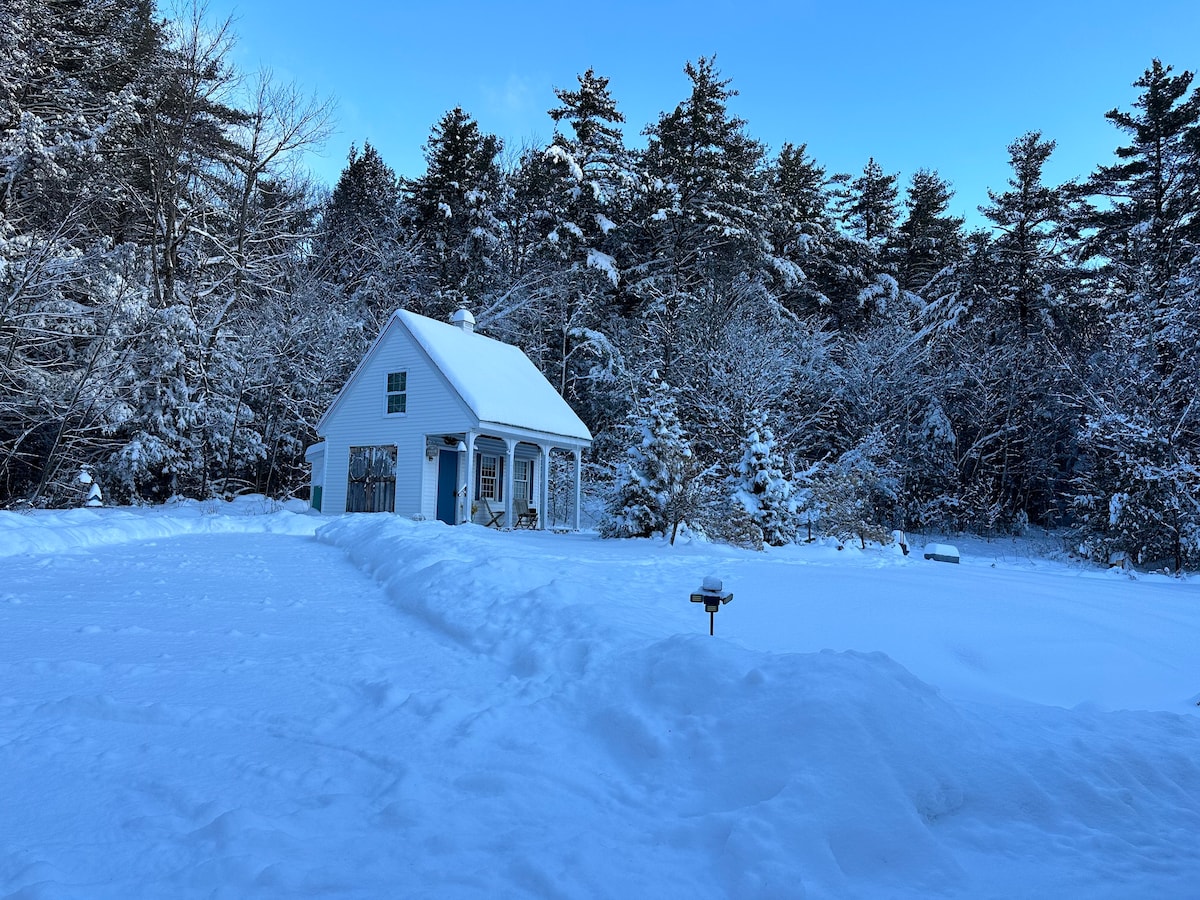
(493, 518)
(526, 516)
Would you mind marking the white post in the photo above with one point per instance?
(468, 479)
(544, 487)
(510, 452)
(578, 454)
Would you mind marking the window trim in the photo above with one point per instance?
(401, 393)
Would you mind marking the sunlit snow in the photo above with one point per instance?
(238, 700)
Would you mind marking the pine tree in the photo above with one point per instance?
(762, 489)
(929, 240)
(568, 204)
(703, 170)
(1141, 433)
(364, 204)
(453, 210)
(650, 492)
(596, 155)
(1032, 272)
(868, 205)
(363, 254)
(858, 283)
(1148, 225)
(698, 215)
(71, 293)
(799, 230)
(593, 176)
(1008, 321)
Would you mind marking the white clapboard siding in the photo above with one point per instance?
(459, 386)
(359, 418)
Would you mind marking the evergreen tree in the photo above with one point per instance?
(364, 205)
(857, 282)
(762, 489)
(584, 177)
(1032, 271)
(929, 240)
(71, 294)
(1140, 441)
(799, 229)
(453, 210)
(363, 255)
(1005, 320)
(867, 206)
(595, 154)
(709, 171)
(650, 492)
(699, 221)
(594, 175)
(1148, 225)
(1138, 488)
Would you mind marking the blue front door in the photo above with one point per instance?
(447, 483)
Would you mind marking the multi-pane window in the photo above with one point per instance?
(489, 477)
(397, 392)
(521, 468)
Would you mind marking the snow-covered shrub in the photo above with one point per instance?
(857, 492)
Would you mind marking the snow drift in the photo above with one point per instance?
(222, 705)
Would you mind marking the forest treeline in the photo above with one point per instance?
(760, 346)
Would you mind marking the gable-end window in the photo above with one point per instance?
(397, 393)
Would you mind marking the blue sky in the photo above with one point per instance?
(939, 85)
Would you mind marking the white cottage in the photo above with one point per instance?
(440, 422)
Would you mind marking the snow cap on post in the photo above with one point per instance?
(463, 319)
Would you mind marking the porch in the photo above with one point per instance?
(505, 478)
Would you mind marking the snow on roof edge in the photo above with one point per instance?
(522, 398)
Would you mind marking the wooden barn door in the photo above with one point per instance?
(372, 482)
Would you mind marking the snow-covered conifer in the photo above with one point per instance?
(762, 489)
(868, 205)
(649, 494)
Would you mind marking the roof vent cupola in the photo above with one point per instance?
(463, 319)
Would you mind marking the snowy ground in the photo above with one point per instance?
(209, 700)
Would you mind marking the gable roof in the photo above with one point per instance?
(497, 382)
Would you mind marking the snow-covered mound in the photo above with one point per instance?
(407, 709)
(57, 531)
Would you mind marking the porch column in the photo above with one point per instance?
(543, 501)
(578, 454)
(467, 474)
(510, 452)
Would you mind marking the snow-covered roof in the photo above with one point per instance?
(497, 381)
